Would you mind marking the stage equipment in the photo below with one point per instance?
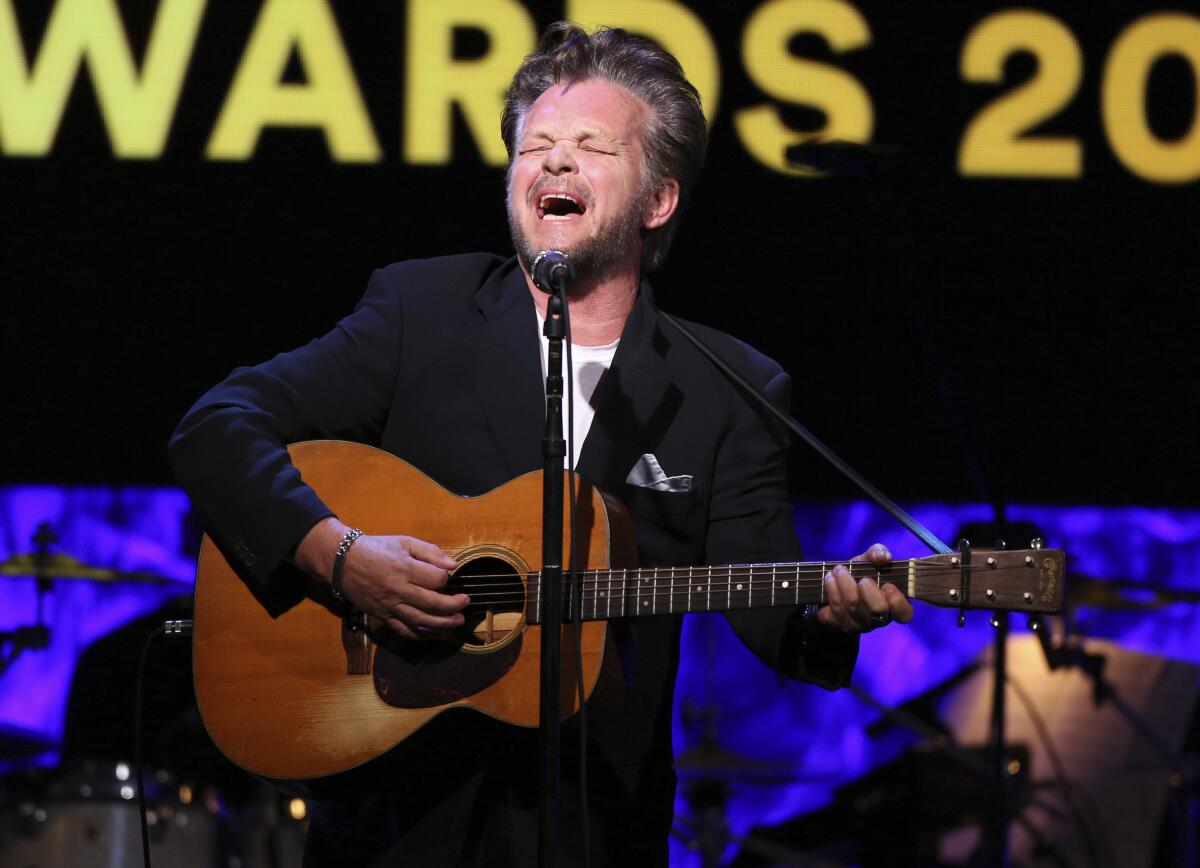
(710, 775)
(1106, 774)
(893, 817)
(552, 272)
(86, 816)
(1123, 595)
(47, 567)
(58, 566)
(1085, 787)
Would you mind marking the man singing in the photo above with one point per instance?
(442, 365)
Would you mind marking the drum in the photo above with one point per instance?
(86, 816)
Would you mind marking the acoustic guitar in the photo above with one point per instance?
(319, 689)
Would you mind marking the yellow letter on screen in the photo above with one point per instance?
(137, 110)
(435, 80)
(672, 25)
(847, 106)
(329, 99)
(1123, 97)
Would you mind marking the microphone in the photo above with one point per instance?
(552, 271)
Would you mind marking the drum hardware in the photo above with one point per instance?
(47, 567)
(709, 773)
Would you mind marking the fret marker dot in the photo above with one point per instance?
(602, 593)
(785, 584)
(645, 602)
(739, 587)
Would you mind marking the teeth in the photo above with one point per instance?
(546, 207)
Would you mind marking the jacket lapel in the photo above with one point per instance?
(507, 370)
(635, 401)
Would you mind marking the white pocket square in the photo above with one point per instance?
(648, 473)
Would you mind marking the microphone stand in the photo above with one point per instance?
(996, 853)
(549, 604)
(788, 421)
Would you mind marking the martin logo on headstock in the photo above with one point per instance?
(1050, 572)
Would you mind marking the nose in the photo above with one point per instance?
(559, 160)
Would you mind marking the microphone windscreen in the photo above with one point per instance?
(552, 270)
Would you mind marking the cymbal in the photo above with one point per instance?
(61, 566)
(1124, 594)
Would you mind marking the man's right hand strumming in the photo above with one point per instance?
(397, 579)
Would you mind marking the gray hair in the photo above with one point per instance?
(676, 135)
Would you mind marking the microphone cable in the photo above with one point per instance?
(167, 628)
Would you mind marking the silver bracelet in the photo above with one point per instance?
(339, 563)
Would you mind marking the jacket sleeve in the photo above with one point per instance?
(230, 454)
(751, 521)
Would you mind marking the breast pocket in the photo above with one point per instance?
(651, 502)
(670, 526)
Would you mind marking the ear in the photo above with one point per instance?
(662, 204)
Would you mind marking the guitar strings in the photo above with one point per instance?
(756, 571)
(680, 577)
(514, 593)
(624, 606)
(682, 584)
(784, 580)
(517, 593)
(680, 581)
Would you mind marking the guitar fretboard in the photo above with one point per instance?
(670, 590)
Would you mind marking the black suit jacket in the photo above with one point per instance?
(440, 365)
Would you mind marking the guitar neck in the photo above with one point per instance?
(672, 590)
(1029, 580)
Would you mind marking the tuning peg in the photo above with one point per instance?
(962, 618)
(1000, 545)
(1037, 543)
(1034, 623)
(994, 621)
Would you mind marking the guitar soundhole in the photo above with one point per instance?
(496, 613)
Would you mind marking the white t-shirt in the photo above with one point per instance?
(589, 363)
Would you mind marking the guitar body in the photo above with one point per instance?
(310, 692)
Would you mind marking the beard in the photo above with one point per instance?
(595, 257)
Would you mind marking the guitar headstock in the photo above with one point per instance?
(1015, 580)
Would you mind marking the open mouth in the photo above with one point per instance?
(559, 206)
